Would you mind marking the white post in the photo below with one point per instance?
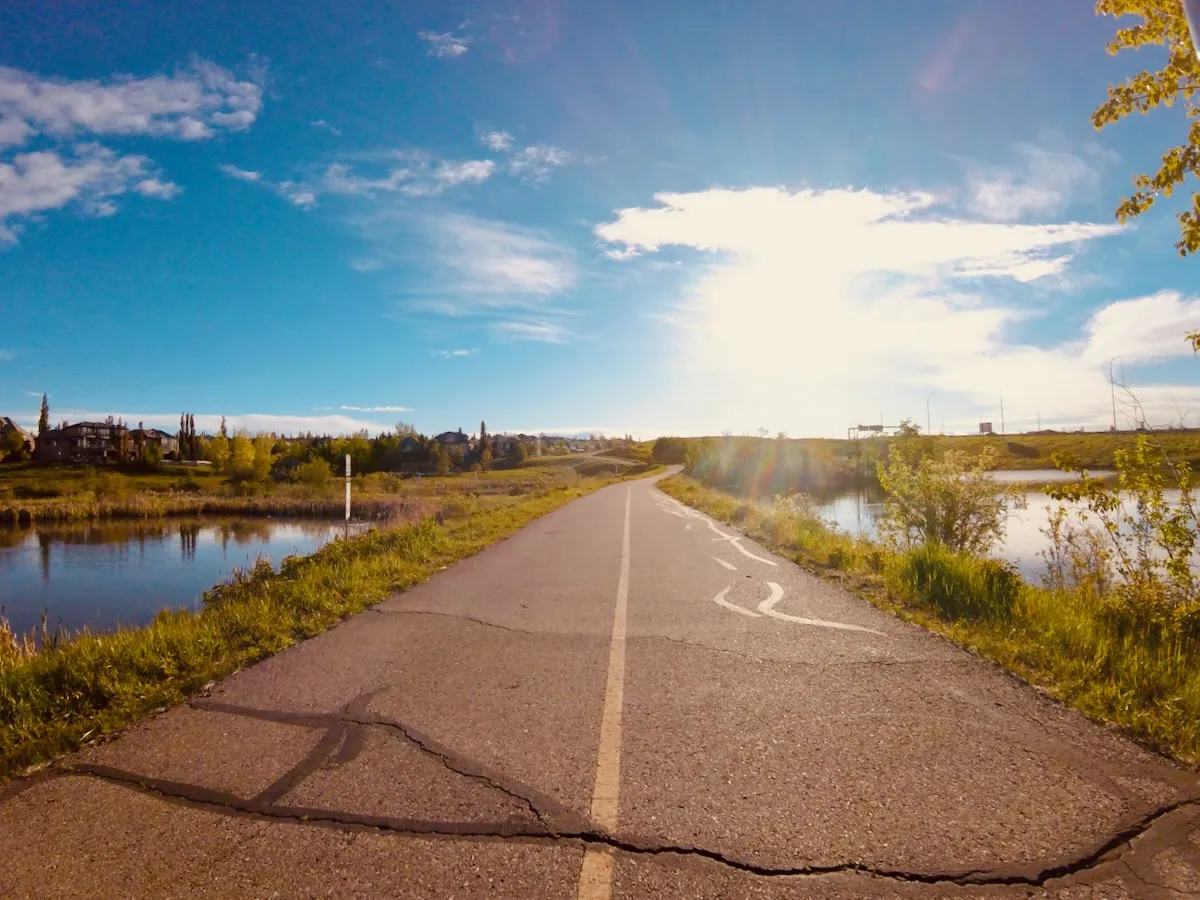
(347, 488)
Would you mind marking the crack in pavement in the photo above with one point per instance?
(223, 803)
(484, 622)
(807, 664)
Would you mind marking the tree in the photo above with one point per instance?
(485, 459)
(218, 451)
(1163, 22)
(242, 454)
(44, 418)
(12, 445)
(264, 458)
(517, 453)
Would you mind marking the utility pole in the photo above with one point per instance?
(1112, 388)
(1002, 414)
(928, 427)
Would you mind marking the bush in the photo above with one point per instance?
(314, 473)
(188, 485)
(951, 500)
(956, 585)
(110, 486)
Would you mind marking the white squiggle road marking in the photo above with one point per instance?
(721, 601)
(686, 512)
(767, 608)
(730, 566)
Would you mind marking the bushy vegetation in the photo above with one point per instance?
(1115, 627)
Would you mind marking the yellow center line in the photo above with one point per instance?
(595, 875)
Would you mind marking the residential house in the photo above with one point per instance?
(454, 440)
(410, 445)
(167, 443)
(81, 442)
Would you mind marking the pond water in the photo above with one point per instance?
(858, 513)
(104, 574)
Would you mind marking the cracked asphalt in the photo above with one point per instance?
(761, 732)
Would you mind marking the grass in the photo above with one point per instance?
(1069, 642)
(32, 492)
(57, 695)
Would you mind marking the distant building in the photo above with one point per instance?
(81, 442)
(167, 443)
(409, 445)
(454, 439)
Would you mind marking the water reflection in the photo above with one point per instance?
(101, 574)
(858, 513)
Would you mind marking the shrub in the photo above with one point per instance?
(951, 500)
(110, 486)
(314, 473)
(956, 585)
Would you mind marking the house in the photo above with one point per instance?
(167, 443)
(7, 427)
(454, 439)
(410, 445)
(81, 442)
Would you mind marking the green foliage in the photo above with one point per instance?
(670, 451)
(263, 459)
(217, 450)
(314, 473)
(12, 446)
(241, 454)
(518, 453)
(111, 486)
(957, 585)
(1163, 23)
(44, 417)
(949, 500)
(1151, 538)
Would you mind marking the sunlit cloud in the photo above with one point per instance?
(1041, 182)
(539, 332)
(455, 354)
(240, 174)
(825, 302)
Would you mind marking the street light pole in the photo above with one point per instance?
(928, 428)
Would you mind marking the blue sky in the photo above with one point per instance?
(657, 218)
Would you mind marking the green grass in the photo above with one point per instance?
(32, 492)
(1071, 643)
(77, 687)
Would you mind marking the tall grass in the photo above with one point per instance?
(1068, 639)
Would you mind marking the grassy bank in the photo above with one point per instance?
(55, 697)
(32, 493)
(1138, 675)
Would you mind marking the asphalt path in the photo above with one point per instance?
(625, 700)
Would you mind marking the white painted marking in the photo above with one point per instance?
(730, 566)
(721, 601)
(595, 874)
(686, 512)
(767, 608)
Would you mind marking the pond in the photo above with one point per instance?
(105, 574)
(857, 512)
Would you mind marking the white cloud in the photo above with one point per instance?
(34, 183)
(497, 260)
(387, 409)
(192, 104)
(334, 424)
(830, 303)
(453, 354)
(154, 187)
(366, 264)
(421, 176)
(321, 124)
(8, 356)
(445, 45)
(497, 141)
(297, 195)
(535, 162)
(541, 332)
(241, 174)
(1044, 182)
